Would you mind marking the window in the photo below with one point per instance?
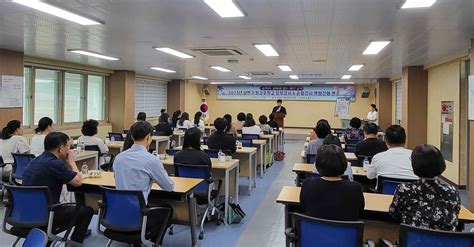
(95, 97)
(46, 103)
(26, 96)
(150, 97)
(398, 101)
(73, 97)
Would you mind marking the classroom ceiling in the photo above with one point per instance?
(319, 39)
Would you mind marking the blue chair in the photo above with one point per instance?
(419, 237)
(28, 207)
(250, 136)
(246, 142)
(158, 133)
(21, 161)
(116, 136)
(124, 215)
(205, 193)
(36, 238)
(311, 158)
(350, 148)
(106, 166)
(215, 153)
(126, 131)
(387, 186)
(352, 141)
(172, 152)
(309, 231)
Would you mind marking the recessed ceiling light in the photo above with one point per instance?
(173, 52)
(61, 13)
(225, 8)
(298, 82)
(199, 77)
(267, 50)
(259, 82)
(375, 47)
(222, 69)
(245, 77)
(339, 82)
(294, 77)
(222, 82)
(163, 70)
(418, 4)
(345, 77)
(356, 67)
(93, 54)
(284, 67)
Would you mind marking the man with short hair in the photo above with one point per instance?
(395, 162)
(220, 140)
(54, 168)
(371, 145)
(279, 108)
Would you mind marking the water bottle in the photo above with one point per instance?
(221, 156)
(79, 147)
(366, 164)
(112, 139)
(84, 170)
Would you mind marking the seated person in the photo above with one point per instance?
(183, 122)
(427, 203)
(137, 169)
(312, 135)
(163, 127)
(331, 197)
(370, 146)
(89, 130)
(220, 139)
(198, 122)
(175, 118)
(55, 167)
(250, 127)
(141, 116)
(272, 122)
(239, 124)
(45, 126)
(264, 124)
(230, 128)
(192, 153)
(12, 141)
(395, 162)
(355, 132)
(330, 139)
(322, 130)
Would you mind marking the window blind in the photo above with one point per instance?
(150, 97)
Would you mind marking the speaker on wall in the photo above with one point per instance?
(205, 90)
(365, 92)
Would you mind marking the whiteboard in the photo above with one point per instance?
(11, 91)
(341, 109)
(471, 98)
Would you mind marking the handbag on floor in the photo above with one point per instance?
(234, 215)
(279, 156)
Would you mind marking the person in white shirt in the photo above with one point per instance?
(373, 115)
(198, 122)
(251, 128)
(395, 162)
(183, 122)
(45, 126)
(89, 130)
(12, 141)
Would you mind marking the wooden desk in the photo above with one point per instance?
(90, 157)
(228, 171)
(271, 143)
(349, 156)
(178, 137)
(261, 145)
(300, 168)
(182, 192)
(162, 143)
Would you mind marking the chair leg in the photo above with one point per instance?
(170, 231)
(109, 243)
(201, 233)
(16, 241)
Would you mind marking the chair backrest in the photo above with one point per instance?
(361, 159)
(93, 148)
(117, 136)
(215, 153)
(239, 132)
(125, 131)
(418, 237)
(27, 206)
(205, 139)
(193, 171)
(171, 152)
(250, 136)
(350, 148)
(311, 158)
(36, 238)
(339, 131)
(266, 132)
(388, 185)
(318, 232)
(246, 142)
(121, 210)
(352, 141)
(183, 129)
(21, 161)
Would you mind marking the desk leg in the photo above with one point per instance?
(265, 158)
(287, 223)
(250, 169)
(96, 162)
(226, 194)
(192, 218)
(254, 168)
(236, 199)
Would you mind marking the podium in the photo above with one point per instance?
(279, 118)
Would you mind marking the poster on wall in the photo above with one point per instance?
(341, 109)
(447, 115)
(310, 92)
(11, 91)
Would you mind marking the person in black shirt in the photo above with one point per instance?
(163, 127)
(192, 153)
(272, 122)
(220, 139)
(330, 197)
(279, 108)
(371, 145)
(54, 168)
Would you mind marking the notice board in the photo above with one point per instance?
(11, 91)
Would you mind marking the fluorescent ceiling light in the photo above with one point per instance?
(222, 82)
(259, 82)
(375, 47)
(294, 77)
(285, 67)
(93, 54)
(222, 69)
(245, 77)
(225, 8)
(173, 52)
(199, 77)
(356, 67)
(267, 50)
(299, 82)
(163, 70)
(345, 77)
(339, 82)
(61, 13)
(418, 4)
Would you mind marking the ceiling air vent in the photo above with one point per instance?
(260, 74)
(309, 76)
(219, 51)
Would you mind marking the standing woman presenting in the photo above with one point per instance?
(373, 115)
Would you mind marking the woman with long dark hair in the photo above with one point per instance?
(198, 122)
(192, 153)
(175, 118)
(45, 126)
(373, 115)
(183, 122)
(230, 128)
(12, 141)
